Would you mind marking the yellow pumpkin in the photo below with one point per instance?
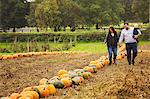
(51, 88)
(29, 89)
(43, 81)
(64, 75)
(93, 62)
(67, 82)
(61, 72)
(99, 65)
(31, 94)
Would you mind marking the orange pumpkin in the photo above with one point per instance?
(51, 88)
(43, 81)
(89, 69)
(15, 56)
(42, 90)
(14, 96)
(61, 72)
(1, 57)
(5, 57)
(106, 62)
(67, 82)
(119, 57)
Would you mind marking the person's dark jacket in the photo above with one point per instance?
(112, 40)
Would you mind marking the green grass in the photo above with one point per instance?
(144, 43)
(94, 47)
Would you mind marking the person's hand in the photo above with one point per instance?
(135, 36)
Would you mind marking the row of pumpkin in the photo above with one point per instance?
(63, 79)
(19, 55)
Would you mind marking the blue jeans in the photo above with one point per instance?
(112, 49)
(131, 47)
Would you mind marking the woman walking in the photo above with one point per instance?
(112, 40)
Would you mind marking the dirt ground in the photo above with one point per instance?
(119, 81)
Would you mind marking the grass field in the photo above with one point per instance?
(93, 47)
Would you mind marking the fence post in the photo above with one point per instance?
(28, 45)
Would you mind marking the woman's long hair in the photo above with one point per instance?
(114, 31)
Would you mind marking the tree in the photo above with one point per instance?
(56, 13)
(101, 12)
(140, 10)
(13, 13)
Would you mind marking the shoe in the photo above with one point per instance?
(133, 62)
(109, 64)
(129, 63)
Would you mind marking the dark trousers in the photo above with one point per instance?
(112, 49)
(131, 47)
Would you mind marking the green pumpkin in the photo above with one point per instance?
(58, 84)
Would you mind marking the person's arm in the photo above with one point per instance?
(139, 33)
(121, 37)
(106, 38)
(117, 37)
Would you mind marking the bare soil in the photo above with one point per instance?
(119, 81)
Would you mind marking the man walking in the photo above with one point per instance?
(127, 34)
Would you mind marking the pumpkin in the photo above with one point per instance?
(51, 88)
(42, 91)
(103, 58)
(89, 69)
(119, 57)
(58, 84)
(94, 68)
(67, 82)
(79, 70)
(78, 80)
(14, 96)
(27, 94)
(5, 57)
(106, 62)
(72, 74)
(64, 75)
(24, 97)
(61, 72)
(140, 51)
(15, 55)
(93, 62)
(55, 78)
(1, 57)
(28, 89)
(87, 75)
(31, 94)
(43, 81)
(5, 98)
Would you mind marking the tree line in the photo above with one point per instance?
(58, 14)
